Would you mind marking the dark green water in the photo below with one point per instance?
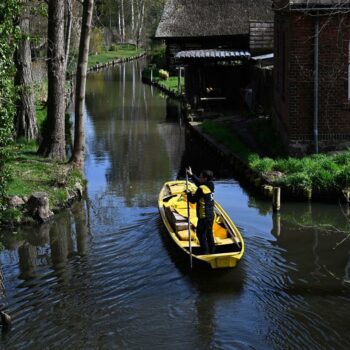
(102, 276)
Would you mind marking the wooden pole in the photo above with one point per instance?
(276, 227)
(179, 80)
(189, 221)
(276, 199)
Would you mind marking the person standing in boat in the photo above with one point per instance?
(204, 198)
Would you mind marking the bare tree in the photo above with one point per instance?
(53, 142)
(25, 120)
(68, 29)
(122, 20)
(79, 134)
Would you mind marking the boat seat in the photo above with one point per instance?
(176, 188)
(183, 235)
(221, 241)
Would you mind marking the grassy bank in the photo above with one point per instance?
(31, 173)
(328, 173)
(118, 51)
(170, 83)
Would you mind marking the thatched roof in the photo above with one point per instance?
(320, 2)
(198, 18)
(312, 4)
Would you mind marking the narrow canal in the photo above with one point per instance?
(102, 276)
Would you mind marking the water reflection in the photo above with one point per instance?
(101, 275)
(133, 116)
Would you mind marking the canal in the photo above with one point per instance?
(102, 275)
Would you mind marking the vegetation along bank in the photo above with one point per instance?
(318, 176)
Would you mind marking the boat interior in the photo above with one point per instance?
(176, 212)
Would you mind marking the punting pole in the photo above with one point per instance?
(189, 221)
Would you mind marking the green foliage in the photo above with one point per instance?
(262, 165)
(158, 57)
(12, 215)
(107, 56)
(96, 40)
(9, 35)
(297, 180)
(320, 172)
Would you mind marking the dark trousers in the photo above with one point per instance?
(205, 235)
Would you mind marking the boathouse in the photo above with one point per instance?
(214, 40)
(312, 74)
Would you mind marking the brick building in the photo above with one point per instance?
(312, 73)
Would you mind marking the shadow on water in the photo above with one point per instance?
(204, 279)
(51, 244)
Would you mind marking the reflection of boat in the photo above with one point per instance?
(229, 245)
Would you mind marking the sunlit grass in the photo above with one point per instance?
(31, 173)
(107, 56)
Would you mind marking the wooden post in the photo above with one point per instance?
(276, 224)
(179, 80)
(276, 199)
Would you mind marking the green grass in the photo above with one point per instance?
(224, 135)
(170, 84)
(41, 113)
(30, 173)
(319, 172)
(107, 56)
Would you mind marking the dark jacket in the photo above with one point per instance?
(204, 197)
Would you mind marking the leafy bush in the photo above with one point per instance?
(262, 165)
(342, 178)
(158, 57)
(319, 171)
(287, 166)
(96, 41)
(163, 74)
(296, 181)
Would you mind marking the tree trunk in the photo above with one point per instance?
(25, 120)
(68, 29)
(79, 135)
(142, 18)
(132, 18)
(122, 19)
(119, 25)
(53, 143)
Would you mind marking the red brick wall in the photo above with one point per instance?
(296, 110)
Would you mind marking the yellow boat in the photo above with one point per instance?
(229, 244)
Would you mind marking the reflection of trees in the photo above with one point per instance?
(81, 226)
(51, 243)
(125, 115)
(310, 239)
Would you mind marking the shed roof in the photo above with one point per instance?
(212, 54)
(198, 18)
